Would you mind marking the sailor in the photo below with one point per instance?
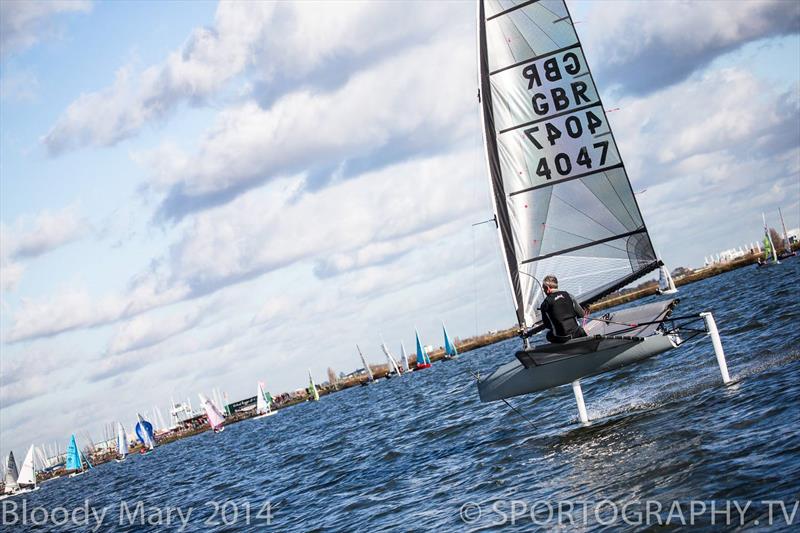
(560, 313)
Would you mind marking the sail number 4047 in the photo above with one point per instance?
(574, 128)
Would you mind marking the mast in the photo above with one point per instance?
(786, 244)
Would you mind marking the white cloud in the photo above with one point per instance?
(645, 46)
(22, 22)
(285, 40)
(147, 330)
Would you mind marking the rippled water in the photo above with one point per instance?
(407, 454)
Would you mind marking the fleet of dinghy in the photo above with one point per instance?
(562, 201)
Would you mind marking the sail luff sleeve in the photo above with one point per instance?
(495, 173)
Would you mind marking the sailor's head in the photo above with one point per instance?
(550, 284)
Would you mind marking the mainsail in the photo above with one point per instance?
(404, 357)
(370, 377)
(665, 283)
(423, 360)
(563, 203)
(11, 475)
(144, 430)
(122, 441)
(769, 246)
(313, 393)
(392, 364)
(262, 406)
(449, 347)
(73, 456)
(215, 418)
(27, 475)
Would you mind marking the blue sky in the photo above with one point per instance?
(198, 195)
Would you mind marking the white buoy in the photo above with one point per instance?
(717, 343)
(576, 388)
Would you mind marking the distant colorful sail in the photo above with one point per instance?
(215, 418)
(144, 430)
(11, 475)
(449, 347)
(312, 389)
(262, 404)
(73, 456)
(423, 360)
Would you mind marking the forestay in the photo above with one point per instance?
(562, 198)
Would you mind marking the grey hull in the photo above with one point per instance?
(513, 379)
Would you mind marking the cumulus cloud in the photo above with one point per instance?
(392, 109)
(644, 46)
(285, 40)
(33, 235)
(22, 22)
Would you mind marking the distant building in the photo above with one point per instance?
(730, 255)
(794, 235)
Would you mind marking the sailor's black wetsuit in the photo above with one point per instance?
(560, 313)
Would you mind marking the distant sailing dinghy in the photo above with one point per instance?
(11, 474)
(787, 245)
(27, 475)
(313, 394)
(665, 283)
(450, 351)
(562, 200)
(74, 465)
(215, 417)
(423, 360)
(263, 407)
(391, 363)
(122, 443)
(144, 431)
(404, 358)
(769, 247)
(370, 377)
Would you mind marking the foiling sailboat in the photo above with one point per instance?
(450, 351)
(263, 407)
(213, 414)
(423, 360)
(563, 203)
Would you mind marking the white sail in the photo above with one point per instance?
(392, 363)
(215, 418)
(768, 240)
(122, 441)
(147, 438)
(261, 402)
(665, 283)
(11, 474)
(366, 366)
(404, 357)
(27, 474)
(562, 199)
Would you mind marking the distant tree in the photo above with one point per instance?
(681, 271)
(777, 240)
(332, 379)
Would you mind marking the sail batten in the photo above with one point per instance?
(562, 197)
